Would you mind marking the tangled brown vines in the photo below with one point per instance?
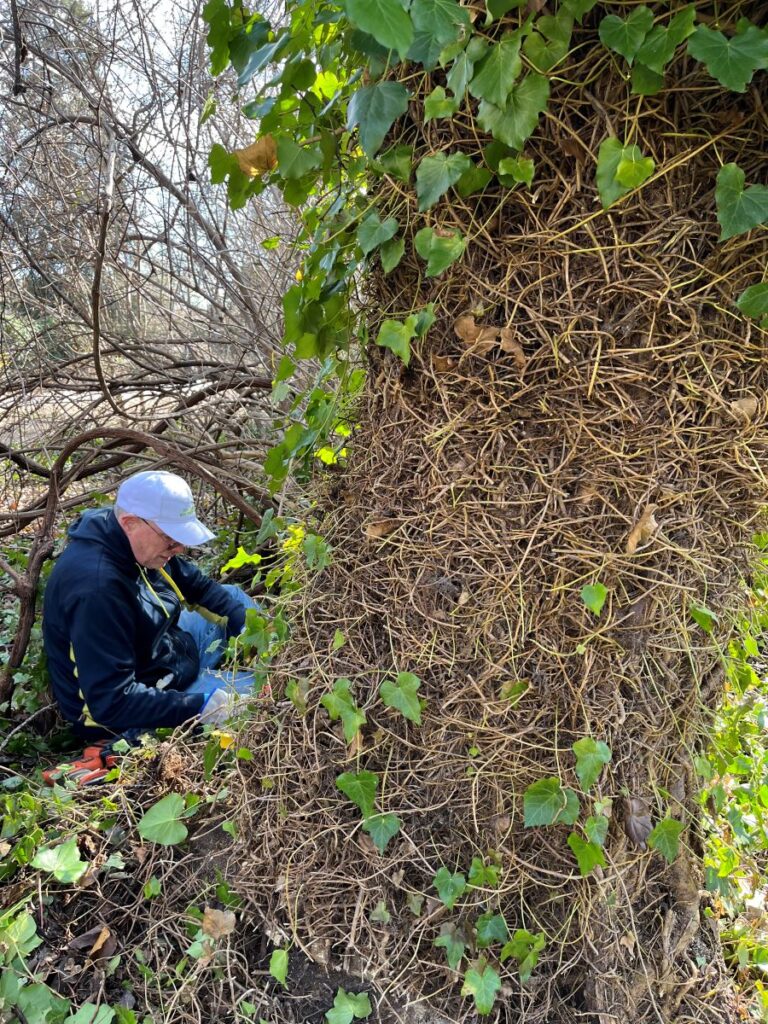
(609, 426)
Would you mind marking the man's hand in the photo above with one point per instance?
(220, 706)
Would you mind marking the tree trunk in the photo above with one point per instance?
(612, 434)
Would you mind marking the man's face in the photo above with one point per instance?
(151, 547)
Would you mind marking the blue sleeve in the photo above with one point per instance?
(102, 631)
(207, 595)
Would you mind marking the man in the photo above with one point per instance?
(129, 626)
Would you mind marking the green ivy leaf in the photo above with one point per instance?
(514, 124)
(626, 35)
(402, 694)
(633, 168)
(617, 165)
(373, 232)
(63, 861)
(588, 855)
(547, 46)
(596, 829)
(490, 928)
(436, 174)
(482, 875)
(591, 755)
(754, 301)
(361, 788)
(498, 8)
(546, 802)
(525, 947)
(221, 163)
(646, 82)
(496, 73)
(162, 823)
(398, 162)
(391, 253)
(666, 838)
(375, 108)
(90, 1013)
(348, 1007)
(209, 108)
(593, 595)
(439, 104)
(439, 250)
(682, 24)
(294, 161)
(397, 336)
(20, 936)
(449, 886)
(38, 1004)
(216, 15)
(702, 615)
(451, 939)
(732, 61)
(482, 984)
(339, 703)
(578, 8)
(257, 56)
(424, 320)
(459, 76)
(380, 914)
(473, 180)
(381, 828)
(738, 209)
(426, 49)
(278, 965)
(657, 50)
(385, 20)
(444, 19)
(519, 169)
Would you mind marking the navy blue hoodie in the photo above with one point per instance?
(111, 631)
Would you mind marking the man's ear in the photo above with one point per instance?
(129, 524)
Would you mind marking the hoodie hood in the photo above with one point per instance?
(100, 526)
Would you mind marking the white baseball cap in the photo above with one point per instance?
(165, 500)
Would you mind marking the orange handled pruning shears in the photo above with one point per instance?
(91, 766)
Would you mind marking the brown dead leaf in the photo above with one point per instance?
(355, 747)
(643, 529)
(466, 329)
(463, 598)
(380, 528)
(5, 848)
(218, 923)
(745, 408)
(572, 148)
(637, 820)
(89, 876)
(258, 158)
(487, 339)
(480, 339)
(628, 942)
(140, 853)
(442, 364)
(513, 347)
(104, 946)
(98, 939)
